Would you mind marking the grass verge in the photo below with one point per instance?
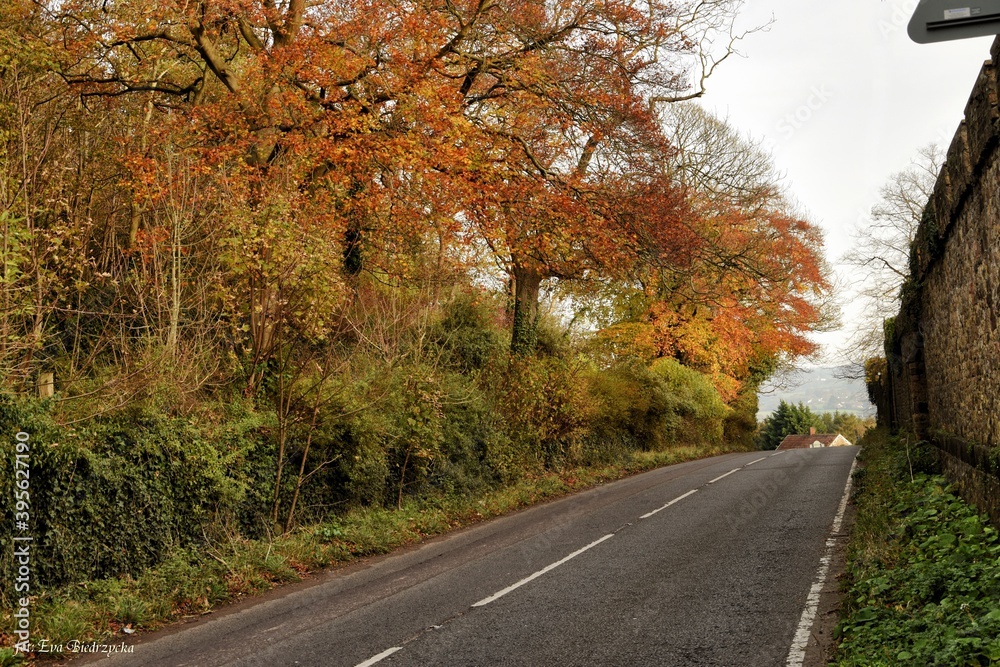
(193, 583)
(923, 572)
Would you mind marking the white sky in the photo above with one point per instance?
(844, 99)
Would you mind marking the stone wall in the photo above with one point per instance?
(944, 351)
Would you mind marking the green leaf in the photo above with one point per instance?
(865, 615)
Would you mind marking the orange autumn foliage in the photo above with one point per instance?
(376, 127)
(742, 294)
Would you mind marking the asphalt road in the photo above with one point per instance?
(704, 563)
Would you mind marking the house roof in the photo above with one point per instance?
(806, 441)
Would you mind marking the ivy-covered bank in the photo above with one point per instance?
(923, 579)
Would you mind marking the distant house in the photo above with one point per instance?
(814, 440)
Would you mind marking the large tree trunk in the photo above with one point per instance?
(527, 281)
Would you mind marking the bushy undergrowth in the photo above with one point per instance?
(146, 513)
(924, 568)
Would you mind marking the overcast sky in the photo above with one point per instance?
(844, 99)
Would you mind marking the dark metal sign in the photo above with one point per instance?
(944, 20)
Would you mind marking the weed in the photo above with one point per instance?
(131, 610)
(8, 658)
(66, 621)
(924, 569)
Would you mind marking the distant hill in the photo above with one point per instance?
(821, 391)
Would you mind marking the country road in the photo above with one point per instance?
(704, 563)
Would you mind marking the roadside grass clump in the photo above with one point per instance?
(923, 576)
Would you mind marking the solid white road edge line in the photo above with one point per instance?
(675, 500)
(532, 577)
(380, 657)
(755, 461)
(726, 475)
(797, 652)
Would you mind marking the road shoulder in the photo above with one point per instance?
(821, 646)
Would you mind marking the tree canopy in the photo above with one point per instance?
(218, 191)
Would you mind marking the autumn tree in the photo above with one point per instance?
(23, 154)
(714, 158)
(735, 287)
(242, 91)
(533, 130)
(338, 109)
(59, 172)
(571, 124)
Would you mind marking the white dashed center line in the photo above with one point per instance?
(805, 622)
(548, 568)
(725, 475)
(675, 500)
(380, 657)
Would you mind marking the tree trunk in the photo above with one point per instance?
(264, 320)
(302, 466)
(353, 259)
(354, 237)
(527, 281)
(133, 229)
(175, 290)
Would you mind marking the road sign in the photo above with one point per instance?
(943, 20)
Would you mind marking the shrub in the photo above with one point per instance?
(552, 338)
(117, 496)
(923, 570)
(633, 407)
(413, 427)
(468, 332)
(468, 430)
(740, 427)
(699, 413)
(543, 409)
